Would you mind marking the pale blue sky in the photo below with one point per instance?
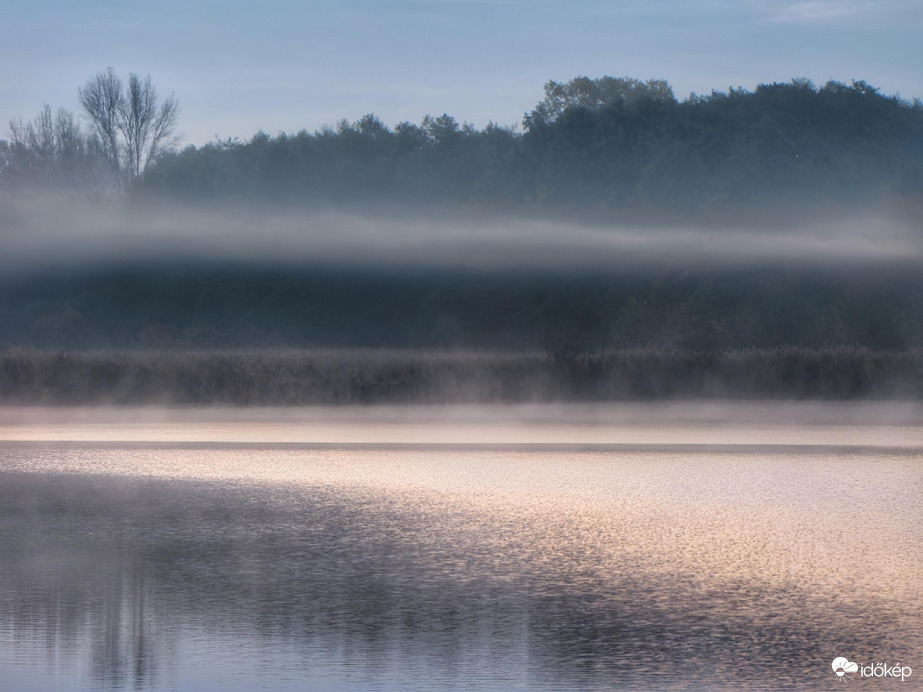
(237, 67)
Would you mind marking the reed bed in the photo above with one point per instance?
(271, 377)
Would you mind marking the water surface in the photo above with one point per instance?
(538, 548)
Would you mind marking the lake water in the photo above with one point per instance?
(654, 547)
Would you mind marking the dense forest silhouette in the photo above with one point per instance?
(603, 147)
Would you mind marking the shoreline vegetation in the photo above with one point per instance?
(292, 378)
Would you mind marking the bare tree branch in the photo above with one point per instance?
(163, 133)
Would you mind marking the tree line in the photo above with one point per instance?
(215, 304)
(602, 146)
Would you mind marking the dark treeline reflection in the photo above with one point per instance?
(115, 576)
(590, 147)
(220, 306)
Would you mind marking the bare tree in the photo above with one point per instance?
(133, 127)
(52, 151)
(102, 99)
(147, 128)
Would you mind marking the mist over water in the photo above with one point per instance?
(714, 546)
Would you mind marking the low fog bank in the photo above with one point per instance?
(132, 275)
(46, 232)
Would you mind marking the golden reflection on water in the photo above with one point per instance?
(803, 546)
(848, 526)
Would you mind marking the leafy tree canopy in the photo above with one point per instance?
(594, 94)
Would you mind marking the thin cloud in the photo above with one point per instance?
(817, 11)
